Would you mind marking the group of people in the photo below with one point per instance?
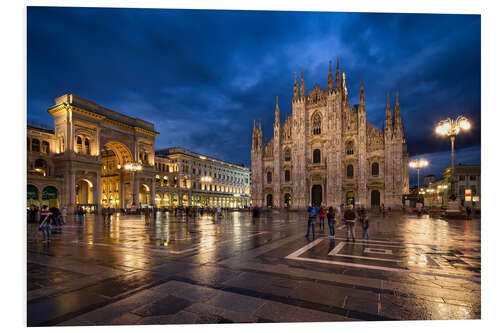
(51, 221)
(348, 216)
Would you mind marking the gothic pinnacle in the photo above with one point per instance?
(330, 78)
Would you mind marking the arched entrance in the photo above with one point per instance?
(316, 194)
(49, 197)
(288, 200)
(32, 193)
(114, 182)
(84, 192)
(269, 200)
(349, 198)
(375, 198)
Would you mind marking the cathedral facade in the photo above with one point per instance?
(326, 152)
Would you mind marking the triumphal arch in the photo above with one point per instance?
(105, 158)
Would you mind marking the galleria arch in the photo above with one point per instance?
(92, 146)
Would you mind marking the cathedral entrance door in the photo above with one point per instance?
(375, 198)
(316, 194)
(349, 198)
(288, 200)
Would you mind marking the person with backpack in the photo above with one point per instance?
(311, 219)
(349, 219)
(364, 224)
(45, 227)
(331, 221)
(322, 214)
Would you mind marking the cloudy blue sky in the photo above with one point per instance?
(202, 76)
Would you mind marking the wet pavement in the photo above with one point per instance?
(178, 270)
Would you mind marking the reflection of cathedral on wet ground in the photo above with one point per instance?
(327, 152)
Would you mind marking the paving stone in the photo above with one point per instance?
(166, 306)
(235, 302)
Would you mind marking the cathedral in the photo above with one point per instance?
(326, 152)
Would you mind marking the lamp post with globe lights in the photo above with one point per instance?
(417, 164)
(452, 128)
(133, 168)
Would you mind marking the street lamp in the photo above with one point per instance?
(417, 164)
(451, 128)
(133, 167)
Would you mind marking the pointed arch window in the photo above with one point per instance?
(317, 156)
(288, 154)
(350, 171)
(287, 175)
(349, 148)
(375, 169)
(316, 124)
(269, 177)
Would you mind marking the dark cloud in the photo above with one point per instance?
(203, 76)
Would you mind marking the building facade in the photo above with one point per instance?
(467, 187)
(96, 157)
(186, 178)
(327, 152)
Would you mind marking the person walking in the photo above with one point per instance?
(349, 219)
(311, 219)
(45, 225)
(331, 221)
(322, 214)
(364, 224)
(79, 212)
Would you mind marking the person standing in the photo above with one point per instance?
(364, 224)
(322, 214)
(349, 219)
(64, 212)
(45, 225)
(331, 221)
(311, 212)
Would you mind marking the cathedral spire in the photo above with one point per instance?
(277, 113)
(337, 77)
(295, 88)
(388, 112)
(330, 78)
(302, 86)
(398, 121)
(362, 92)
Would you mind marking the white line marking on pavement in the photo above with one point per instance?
(305, 248)
(203, 245)
(336, 249)
(295, 256)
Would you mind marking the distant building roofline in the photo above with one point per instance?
(187, 152)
